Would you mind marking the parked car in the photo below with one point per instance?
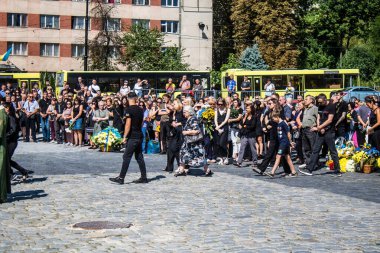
(352, 93)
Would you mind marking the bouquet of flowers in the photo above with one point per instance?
(234, 114)
(71, 126)
(108, 139)
(208, 120)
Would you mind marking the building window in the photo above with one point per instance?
(140, 2)
(50, 21)
(114, 52)
(113, 24)
(18, 48)
(17, 20)
(111, 1)
(169, 26)
(170, 3)
(144, 23)
(77, 50)
(49, 49)
(78, 23)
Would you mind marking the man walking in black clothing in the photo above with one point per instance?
(326, 134)
(133, 138)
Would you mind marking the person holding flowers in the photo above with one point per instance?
(222, 115)
(374, 123)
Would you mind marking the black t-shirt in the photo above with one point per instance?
(43, 105)
(246, 85)
(136, 114)
(329, 109)
(340, 109)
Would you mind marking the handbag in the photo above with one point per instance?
(194, 138)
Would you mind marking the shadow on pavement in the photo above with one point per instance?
(25, 195)
(355, 185)
(156, 178)
(31, 180)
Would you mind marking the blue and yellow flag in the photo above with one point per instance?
(5, 56)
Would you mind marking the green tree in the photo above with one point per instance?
(223, 43)
(273, 25)
(360, 57)
(251, 59)
(336, 23)
(232, 63)
(143, 50)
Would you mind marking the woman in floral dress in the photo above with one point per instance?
(192, 154)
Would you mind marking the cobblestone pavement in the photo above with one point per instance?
(234, 211)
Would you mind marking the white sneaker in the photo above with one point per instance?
(226, 161)
(302, 166)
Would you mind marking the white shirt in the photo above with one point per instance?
(269, 89)
(124, 90)
(31, 106)
(95, 88)
(138, 86)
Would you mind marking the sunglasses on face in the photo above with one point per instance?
(220, 104)
(270, 103)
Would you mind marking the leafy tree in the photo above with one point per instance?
(362, 58)
(251, 59)
(102, 46)
(316, 56)
(223, 43)
(335, 23)
(142, 50)
(273, 25)
(232, 63)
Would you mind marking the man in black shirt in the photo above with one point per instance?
(326, 135)
(341, 112)
(245, 88)
(44, 104)
(133, 138)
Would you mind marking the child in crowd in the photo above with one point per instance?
(284, 140)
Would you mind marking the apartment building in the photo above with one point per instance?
(48, 35)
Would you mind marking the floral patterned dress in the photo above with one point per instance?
(192, 154)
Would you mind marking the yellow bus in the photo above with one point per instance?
(111, 81)
(17, 78)
(305, 82)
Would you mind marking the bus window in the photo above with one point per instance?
(296, 82)
(333, 81)
(350, 81)
(109, 84)
(313, 82)
(240, 80)
(280, 81)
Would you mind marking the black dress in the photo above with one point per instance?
(118, 118)
(222, 139)
(374, 139)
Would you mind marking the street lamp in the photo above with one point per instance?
(86, 38)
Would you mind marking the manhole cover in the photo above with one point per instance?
(97, 225)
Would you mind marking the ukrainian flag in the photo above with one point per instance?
(5, 56)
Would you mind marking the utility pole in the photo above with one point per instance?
(86, 38)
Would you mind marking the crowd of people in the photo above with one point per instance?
(247, 129)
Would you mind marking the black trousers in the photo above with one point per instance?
(164, 132)
(270, 155)
(59, 128)
(360, 137)
(340, 131)
(31, 126)
(133, 146)
(11, 146)
(172, 154)
(329, 140)
(308, 140)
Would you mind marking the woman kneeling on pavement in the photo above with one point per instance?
(192, 153)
